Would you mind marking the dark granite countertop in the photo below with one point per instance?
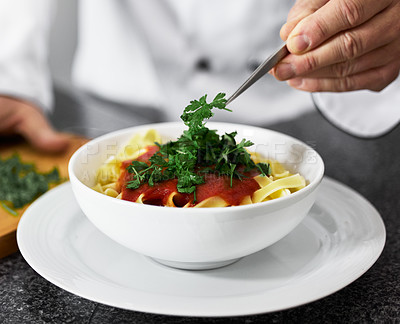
(371, 167)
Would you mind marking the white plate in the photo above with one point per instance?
(339, 240)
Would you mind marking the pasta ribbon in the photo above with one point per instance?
(137, 145)
(246, 200)
(109, 172)
(170, 201)
(295, 182)
(263, 180)
(277, 169)
(140, 199)
(111, 192)
(215, 201)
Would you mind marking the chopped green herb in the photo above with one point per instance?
(197, 151)
(20, 183)
(8, 209)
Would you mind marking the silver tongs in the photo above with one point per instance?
(264, 68)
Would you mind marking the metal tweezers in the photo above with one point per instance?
(264, 68)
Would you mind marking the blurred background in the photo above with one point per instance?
(82, 113)
(63, 43)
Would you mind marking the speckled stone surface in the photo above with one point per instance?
(371, 167)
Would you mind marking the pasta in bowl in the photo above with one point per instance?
(196, 238)
(123, 176)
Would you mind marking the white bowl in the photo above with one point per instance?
(197, 238)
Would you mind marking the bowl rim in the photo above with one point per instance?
(275, 202)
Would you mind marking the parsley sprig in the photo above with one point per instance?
(194, 116)
(197, 151)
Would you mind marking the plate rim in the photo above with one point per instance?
(234, 311)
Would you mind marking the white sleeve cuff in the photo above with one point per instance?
(362, 113)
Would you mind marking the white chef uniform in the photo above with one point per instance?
(164, 53)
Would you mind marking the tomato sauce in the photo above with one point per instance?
(214, 185)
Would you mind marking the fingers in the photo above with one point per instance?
(335, 16)
(371, 60)
(19, 117)
(8, 117)
(300, 10)
(36, 129)
(374, 79)
(341, 45)
(302, 6)
(378, 32)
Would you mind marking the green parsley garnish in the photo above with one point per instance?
(197, 151)
(20, 183)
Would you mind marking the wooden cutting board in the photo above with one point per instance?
(44, 163)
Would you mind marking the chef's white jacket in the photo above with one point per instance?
(164, 53)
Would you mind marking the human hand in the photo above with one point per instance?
(341, 45)
(20, 117)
